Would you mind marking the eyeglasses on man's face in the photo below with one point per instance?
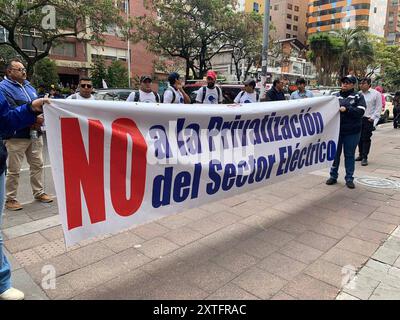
(19, 69)
(86, 85)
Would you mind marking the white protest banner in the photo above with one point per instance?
(120, 164)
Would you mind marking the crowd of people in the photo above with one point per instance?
(21, 121)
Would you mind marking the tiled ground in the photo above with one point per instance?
(297, 239)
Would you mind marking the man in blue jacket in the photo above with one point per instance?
(12, 119)
(352, 109)
(25, 142)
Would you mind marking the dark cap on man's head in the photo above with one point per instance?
(144, 78)
(349, 78)
(173, 77)
(250, 82)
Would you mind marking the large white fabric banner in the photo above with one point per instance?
(119, 164)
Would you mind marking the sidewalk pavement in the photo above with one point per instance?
(297, 239)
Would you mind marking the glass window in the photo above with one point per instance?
(256, 7)
(294, 28)
(67, 49)
(296, 18)
(289, 16)
(290, 6)
(289, 26)
(296, 8)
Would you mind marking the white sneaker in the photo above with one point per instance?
(12, 294)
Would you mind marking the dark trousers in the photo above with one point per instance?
(348, 144)
(396, 117)
(365, 139)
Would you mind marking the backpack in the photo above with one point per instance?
(257, 95)
(137, 96)
(173, 95)
(205, 91)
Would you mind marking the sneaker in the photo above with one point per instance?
(364, 162)
(12, 294)
(45, 198)
(13, 205)
(358, 158)
(350, 184)
(331, 181)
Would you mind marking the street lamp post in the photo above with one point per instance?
(267, 4)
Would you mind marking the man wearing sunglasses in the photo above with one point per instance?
(85, 90)
(26, 142)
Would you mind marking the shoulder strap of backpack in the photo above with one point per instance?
(204, 94)
(241, 95)
(137, 96)
(219, 94)
(156, 96)
(257, 96)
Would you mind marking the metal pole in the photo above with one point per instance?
(129, 46)
(267, 4)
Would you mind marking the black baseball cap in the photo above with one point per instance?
(250, 82)
(349, 78)
(144, 78)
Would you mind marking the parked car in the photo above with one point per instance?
(387, 111)
(229, 91)
(115, 94)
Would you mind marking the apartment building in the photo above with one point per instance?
(74, 57)
(289, 17)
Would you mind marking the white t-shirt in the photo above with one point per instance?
(146, 97)
(168, 96)
(77, 96)
(244, 97)
(211, 96)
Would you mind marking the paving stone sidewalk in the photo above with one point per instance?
(297, 239)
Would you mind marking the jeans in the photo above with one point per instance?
(348, 143)
(365, 140)
(5, 272)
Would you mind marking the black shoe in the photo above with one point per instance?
(364, 162)
(330, 181)
(359, 158)
(350, 184)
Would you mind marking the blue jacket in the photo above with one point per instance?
(12, 119)
(17, 95)
(351, 119)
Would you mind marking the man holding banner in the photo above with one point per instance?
(352, 109)
(12, 119)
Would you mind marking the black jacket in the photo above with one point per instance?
(275, 95)
(351, 119)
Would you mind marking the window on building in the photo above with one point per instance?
(256, 7)
(289, 26)
(294, 28)
(296, 18)
(289, 16)
(288, 36)
(290, 6)
(276, 7)
(296, 8)
(375, 9)
(67, 49)
(29, 43)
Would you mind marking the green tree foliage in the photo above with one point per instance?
(117, 75)
(98, 72)
(47, 22)
(194, 30)
(246, 42)
(45, 73)
(325, 52)
(357, 52)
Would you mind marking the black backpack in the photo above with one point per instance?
(257, 95)
(173, 95)
(205, 91)
(137, 96)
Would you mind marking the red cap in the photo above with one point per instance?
(212, 74)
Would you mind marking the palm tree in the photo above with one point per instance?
(357, 53)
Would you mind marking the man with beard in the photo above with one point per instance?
(210, 94)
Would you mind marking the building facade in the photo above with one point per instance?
(74, 57)
(289, 17)
(392, 30)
